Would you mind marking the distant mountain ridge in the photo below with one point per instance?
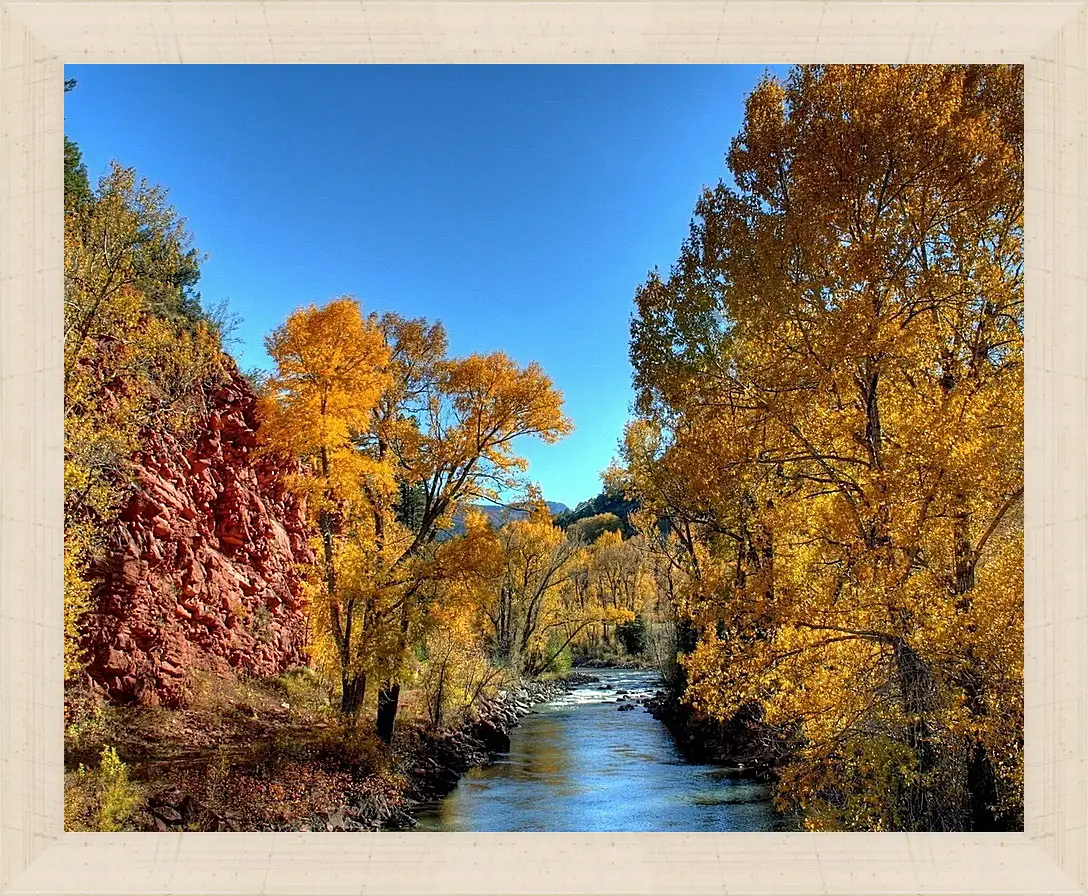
(613, 502)
(607, 502)
(499, 514)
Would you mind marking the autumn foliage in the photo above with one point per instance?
(139, 354)
(816, 521)
(830, 396)
(393, 436)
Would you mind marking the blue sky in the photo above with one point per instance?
(520, 205)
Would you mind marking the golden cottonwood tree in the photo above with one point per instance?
(527, 597)
(465, 420)
(458, 668)
(331, 372)
(533, 587)
(830, 386)
(418, 435)
(620, 578)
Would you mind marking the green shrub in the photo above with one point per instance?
(301, 687)
(563, 660)
(634, 635)
(354, 749)
(77, 799)
(101, 799)
(88, 722)
(117, 796)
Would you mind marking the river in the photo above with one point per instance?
(578, 763)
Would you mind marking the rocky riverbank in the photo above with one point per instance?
(446, 757)
(743, 744)
(617, 662)
(432, 764)
(429, 765)
(270, 755)
(426, 766)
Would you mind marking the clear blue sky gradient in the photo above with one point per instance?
(519, 205)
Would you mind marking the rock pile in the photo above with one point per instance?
(173, 810)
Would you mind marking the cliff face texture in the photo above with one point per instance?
(201, 573)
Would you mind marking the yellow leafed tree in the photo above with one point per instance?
(831, 398)
(394, 436)
(457, 669)
(331, 372)
(528, 596)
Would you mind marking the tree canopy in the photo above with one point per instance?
(830, 395)
(375, 410)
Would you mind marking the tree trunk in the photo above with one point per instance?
(981, 791)
(353, 690)
(437, 717)
(868, 380)
(918, 693)
(981, 809)
(963, 554)
(388, 704)
(981, 781)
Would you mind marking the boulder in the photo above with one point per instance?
(337, 821)
(491, 736)
(167, 814)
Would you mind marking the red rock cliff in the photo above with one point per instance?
(202, 571)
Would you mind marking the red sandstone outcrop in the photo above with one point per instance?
(203, 570)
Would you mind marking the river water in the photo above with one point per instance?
(578, 763)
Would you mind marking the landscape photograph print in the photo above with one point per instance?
(544, 448)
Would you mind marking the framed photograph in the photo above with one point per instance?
(290, 605)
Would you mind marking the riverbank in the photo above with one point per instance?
(271, 755)
(433, 764)
(429, 765)
(744, 746)
(614, 662)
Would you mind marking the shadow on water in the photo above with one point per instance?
(580, 764)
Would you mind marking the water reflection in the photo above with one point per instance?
(580, 764)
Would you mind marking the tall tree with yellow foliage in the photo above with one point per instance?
(377, 412)
(830, 387)
(331, 372)
(527, 597)
(620, 578)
